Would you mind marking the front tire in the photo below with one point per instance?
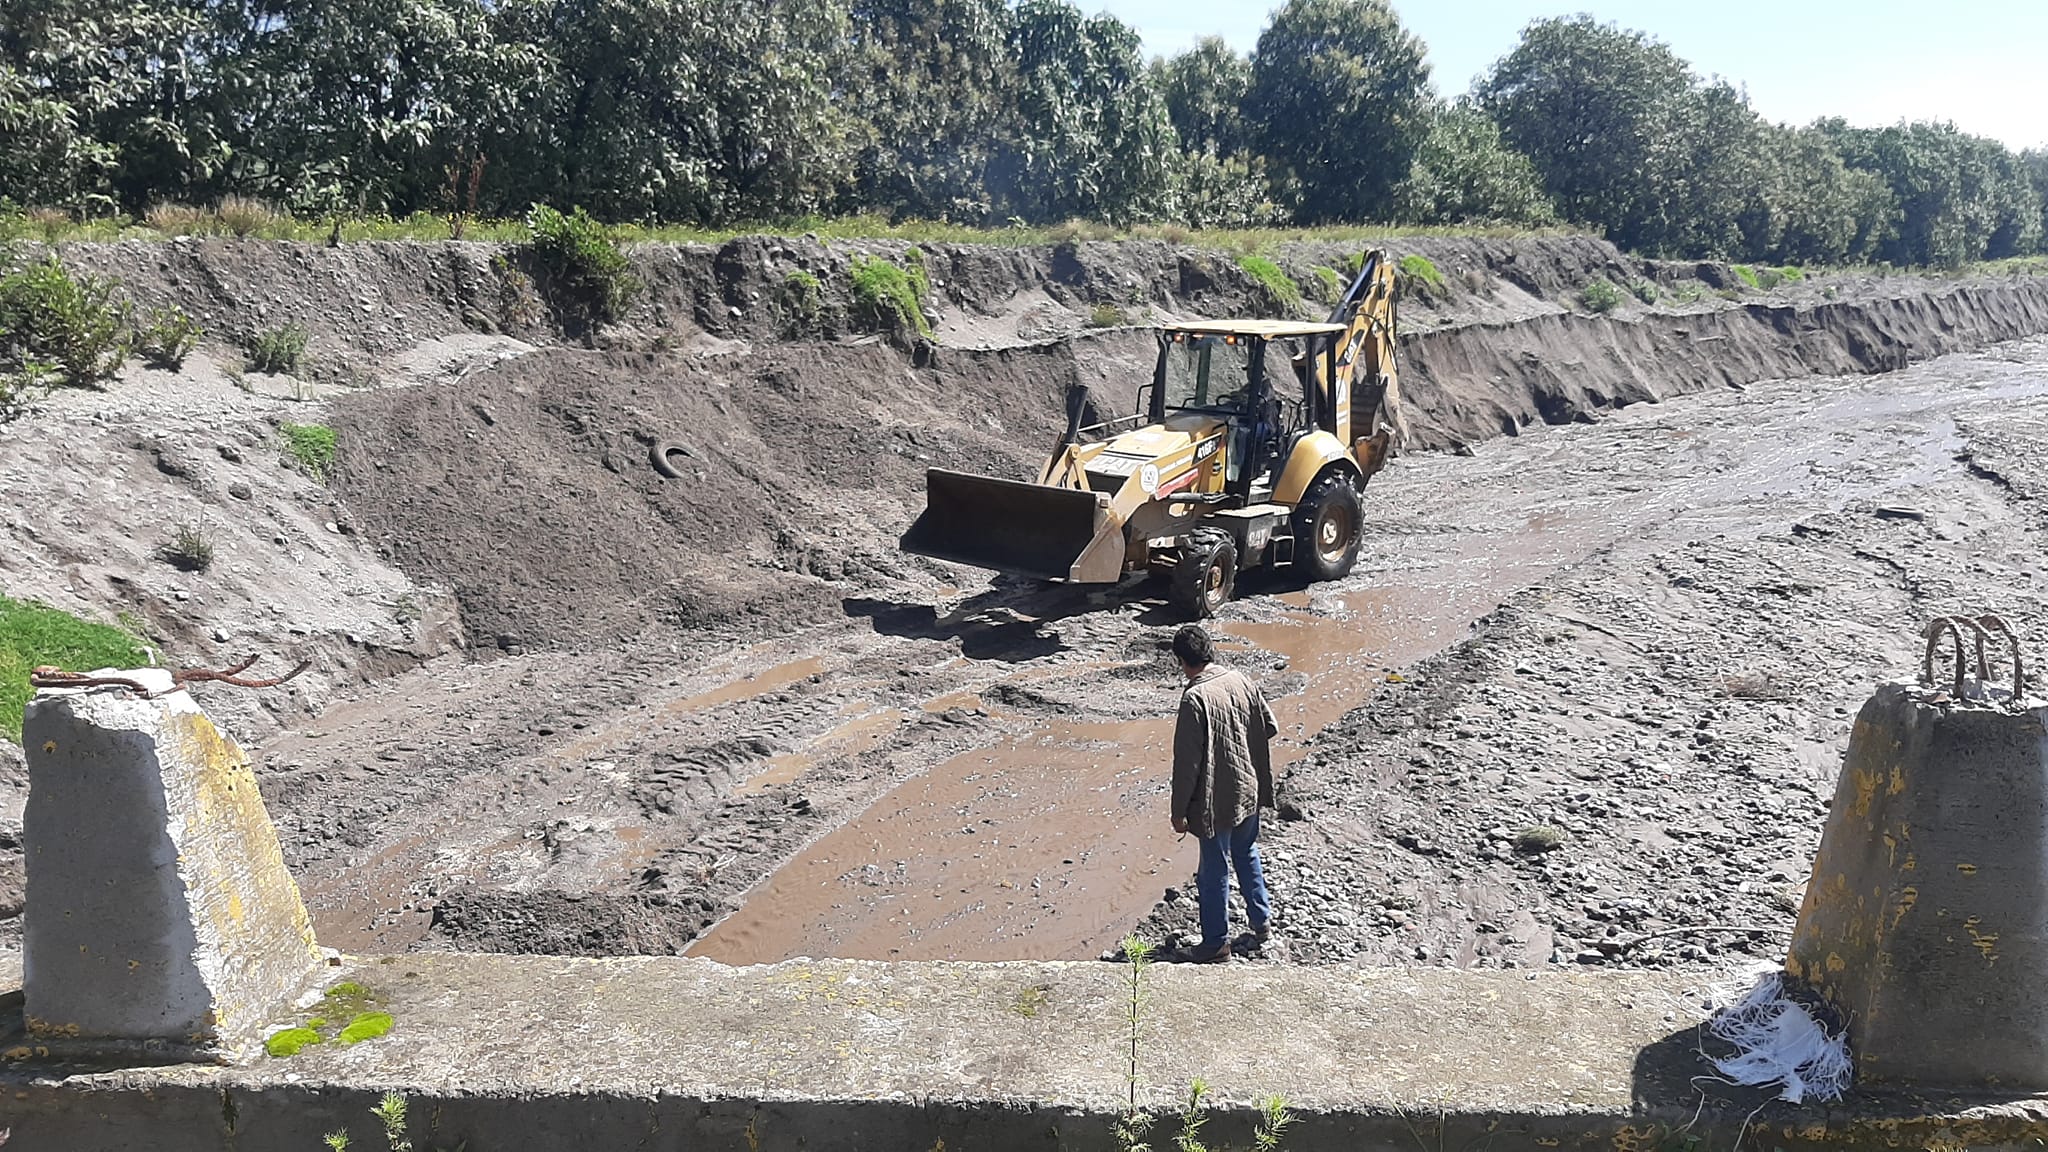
(1206, 576)
(1329, 527)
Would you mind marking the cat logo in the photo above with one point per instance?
(1148, 478)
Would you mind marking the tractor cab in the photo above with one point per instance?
(1260, 379)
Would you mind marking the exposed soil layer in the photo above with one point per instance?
(723, 700)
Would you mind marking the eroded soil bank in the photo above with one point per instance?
(567, 704)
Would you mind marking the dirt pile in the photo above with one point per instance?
(530, 489)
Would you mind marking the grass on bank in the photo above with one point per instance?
(251, 220)
(32, 634)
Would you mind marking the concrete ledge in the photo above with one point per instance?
(509, 1053)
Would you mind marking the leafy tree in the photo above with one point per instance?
(1464, 173)
(2034, 163)
(1960, 197)
(1814, 208)
(104, 103)
(1205, 89)
(1093, 138)
(1590, 105)
(1219, 182)
(1339, 101)
(933, 88)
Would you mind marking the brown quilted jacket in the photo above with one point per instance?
(1222, 761)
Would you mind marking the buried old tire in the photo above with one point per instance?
(1206, 575)
(1328, 527)
(664, 456)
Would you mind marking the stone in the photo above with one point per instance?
(161, 919)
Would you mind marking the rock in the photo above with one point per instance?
(241, 491)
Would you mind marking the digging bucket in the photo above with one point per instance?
(1925, 923)
(1025, 529)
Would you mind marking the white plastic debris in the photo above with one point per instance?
(1778, 1041)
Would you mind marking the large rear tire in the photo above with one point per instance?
(1206, 576)
(1328, 527)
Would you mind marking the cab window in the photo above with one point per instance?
(1205, 372)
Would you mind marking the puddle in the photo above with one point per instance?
(1051, 843)
(747, 687)
(1036, 848)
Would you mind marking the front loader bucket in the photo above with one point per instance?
(1025, 529)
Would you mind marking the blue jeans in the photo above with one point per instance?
(1237, 848)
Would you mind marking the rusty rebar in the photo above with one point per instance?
(1981, 628)
(1933, 634)
(51, 676)
(233, 675)
(1990, 623)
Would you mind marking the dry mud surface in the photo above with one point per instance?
(565, 704)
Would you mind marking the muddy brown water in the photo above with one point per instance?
(1051, 843)
(1048, 845)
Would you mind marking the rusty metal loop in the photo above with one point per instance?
(1933, 633)
(1991, 623)
(1982, 628)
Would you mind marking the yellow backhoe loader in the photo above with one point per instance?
(1252, 445)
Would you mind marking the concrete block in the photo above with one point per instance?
(160, 918)
(1925, 923)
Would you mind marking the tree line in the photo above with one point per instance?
(714, 112)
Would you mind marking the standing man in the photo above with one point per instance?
(1222, 776)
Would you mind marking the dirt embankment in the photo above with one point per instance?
(522, 481)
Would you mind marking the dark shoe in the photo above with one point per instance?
(1217, 955)
(1261, 934)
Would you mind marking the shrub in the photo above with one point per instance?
(179, 219)
(1645, 291)
(887, 298)
(1421, 270)
(311, 447)
(1600, 296)
(801, 296)
(166, 337)
(1748, 276)
(32, 634)
(188, 550)
(591, 280)
(1330, 285)
(1791, 274)
(1539, 839)
(1278, 284)
(246, 216)
(70, 327)
(49, 223)
(1105, 316)
(517, 301)
(277, 350)
(24, 385)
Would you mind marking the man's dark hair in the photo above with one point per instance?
(1193, 646)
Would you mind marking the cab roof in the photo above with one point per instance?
(1266, 329)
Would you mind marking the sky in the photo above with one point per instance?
(1980, 63)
